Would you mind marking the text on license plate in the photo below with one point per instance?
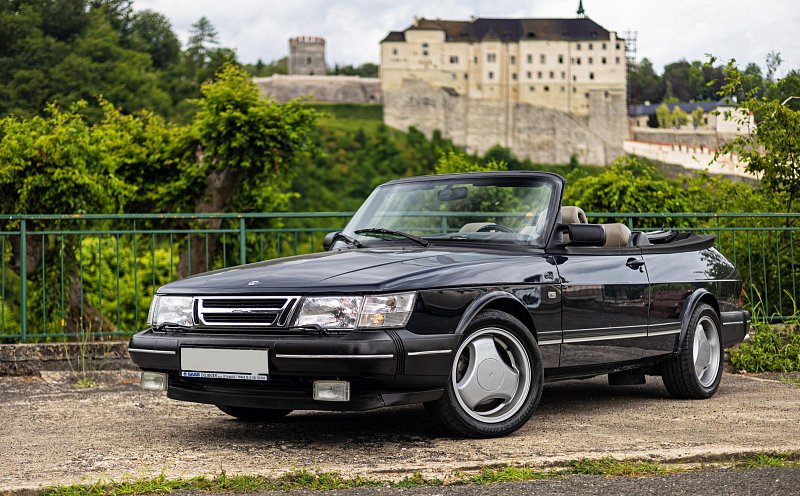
(215, 363)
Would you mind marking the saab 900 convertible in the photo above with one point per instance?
(464, 292)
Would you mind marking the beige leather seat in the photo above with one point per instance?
(617, 235)
(573, 215)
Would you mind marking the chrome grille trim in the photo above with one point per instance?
(222, 311)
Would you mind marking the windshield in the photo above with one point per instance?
(502, 209)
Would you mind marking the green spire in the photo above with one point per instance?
(581, 12)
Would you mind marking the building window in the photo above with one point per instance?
(542, 59)
(590, 61)
(578, 61)
(532, 88)
(491, 57)
(308, 60)
(563, 89)
(530, 58)
(604, 46)
(466, 76)
(453, 76)
(574, 78)
(616, 60)
(563, 75)
(529, 74)
(560, 59)
(617, 46)
(425, 50)
(604, 60)
(591, 75)
(491, 75)
(454, 59)
(514, 76)
(590, 46)
(394, 51)
(539, 75)
(513, 60)
(586, 95)
(547, 88)
(577, 46)
(574, 90)
(552, 75)
(475, 59)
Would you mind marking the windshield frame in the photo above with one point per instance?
(555, 181)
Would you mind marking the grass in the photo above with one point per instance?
(350, 117)
(320, 480)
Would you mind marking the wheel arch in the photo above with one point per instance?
(698, 297)
(497, 300)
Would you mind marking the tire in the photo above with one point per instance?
(695, 373)
(254, 414)
(474, 403)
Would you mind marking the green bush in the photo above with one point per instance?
(772, 349)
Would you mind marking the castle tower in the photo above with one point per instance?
(307, 56)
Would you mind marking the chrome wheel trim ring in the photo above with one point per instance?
(516, 354)
(706, 350)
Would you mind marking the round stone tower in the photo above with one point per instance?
(307, 55)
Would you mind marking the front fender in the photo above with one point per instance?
(481, 302)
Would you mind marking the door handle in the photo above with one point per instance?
(635, 263)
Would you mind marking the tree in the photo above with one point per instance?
(684, 81)
(664, 116)
(151, 32)
(774, 61)
(679, 117)
(241, 154)
(785, 88)
(771, 150)
(644, 84)
(697, 117)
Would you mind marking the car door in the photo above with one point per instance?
(605, 301)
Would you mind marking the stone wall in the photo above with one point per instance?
(539, 134)
(328, 89)
(691, 137)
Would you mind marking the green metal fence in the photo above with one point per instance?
(97, 273)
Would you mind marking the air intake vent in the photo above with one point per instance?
(248, 311)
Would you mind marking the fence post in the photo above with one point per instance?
(242, 242)
(23, 281)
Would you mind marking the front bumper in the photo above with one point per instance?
(385, 367)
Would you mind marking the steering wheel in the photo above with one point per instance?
(496, 228)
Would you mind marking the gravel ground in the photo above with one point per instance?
(53, 434)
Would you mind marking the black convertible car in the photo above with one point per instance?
(464, 292)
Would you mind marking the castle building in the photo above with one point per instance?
(552, 63)
(546, 88)
(307, 56)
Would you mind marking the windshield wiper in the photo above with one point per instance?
(347, 239)
(391, 232)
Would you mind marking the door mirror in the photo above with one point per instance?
(585, 234)
(328, 240)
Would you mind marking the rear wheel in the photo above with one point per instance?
(695, 373)
(496, 379)
(254, 414)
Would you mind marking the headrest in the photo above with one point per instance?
(573, 215)
(616, 235)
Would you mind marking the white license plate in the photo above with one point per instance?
(214, 363)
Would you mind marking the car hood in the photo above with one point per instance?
(369, 269)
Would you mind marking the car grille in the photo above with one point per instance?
(252, 311)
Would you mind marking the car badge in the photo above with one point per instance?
(254, 283)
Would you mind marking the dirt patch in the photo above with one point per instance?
(54, 433)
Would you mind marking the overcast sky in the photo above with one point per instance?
(668, 30)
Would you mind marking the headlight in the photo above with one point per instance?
(349, 312)
(330, 312)
(387, 310)
(176, 310)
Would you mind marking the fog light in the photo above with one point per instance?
(154, 381)
(332, 390)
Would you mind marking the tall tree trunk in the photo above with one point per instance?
(33, 254)
(221, 185)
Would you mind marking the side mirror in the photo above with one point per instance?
(328, 240)
(585, 234)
